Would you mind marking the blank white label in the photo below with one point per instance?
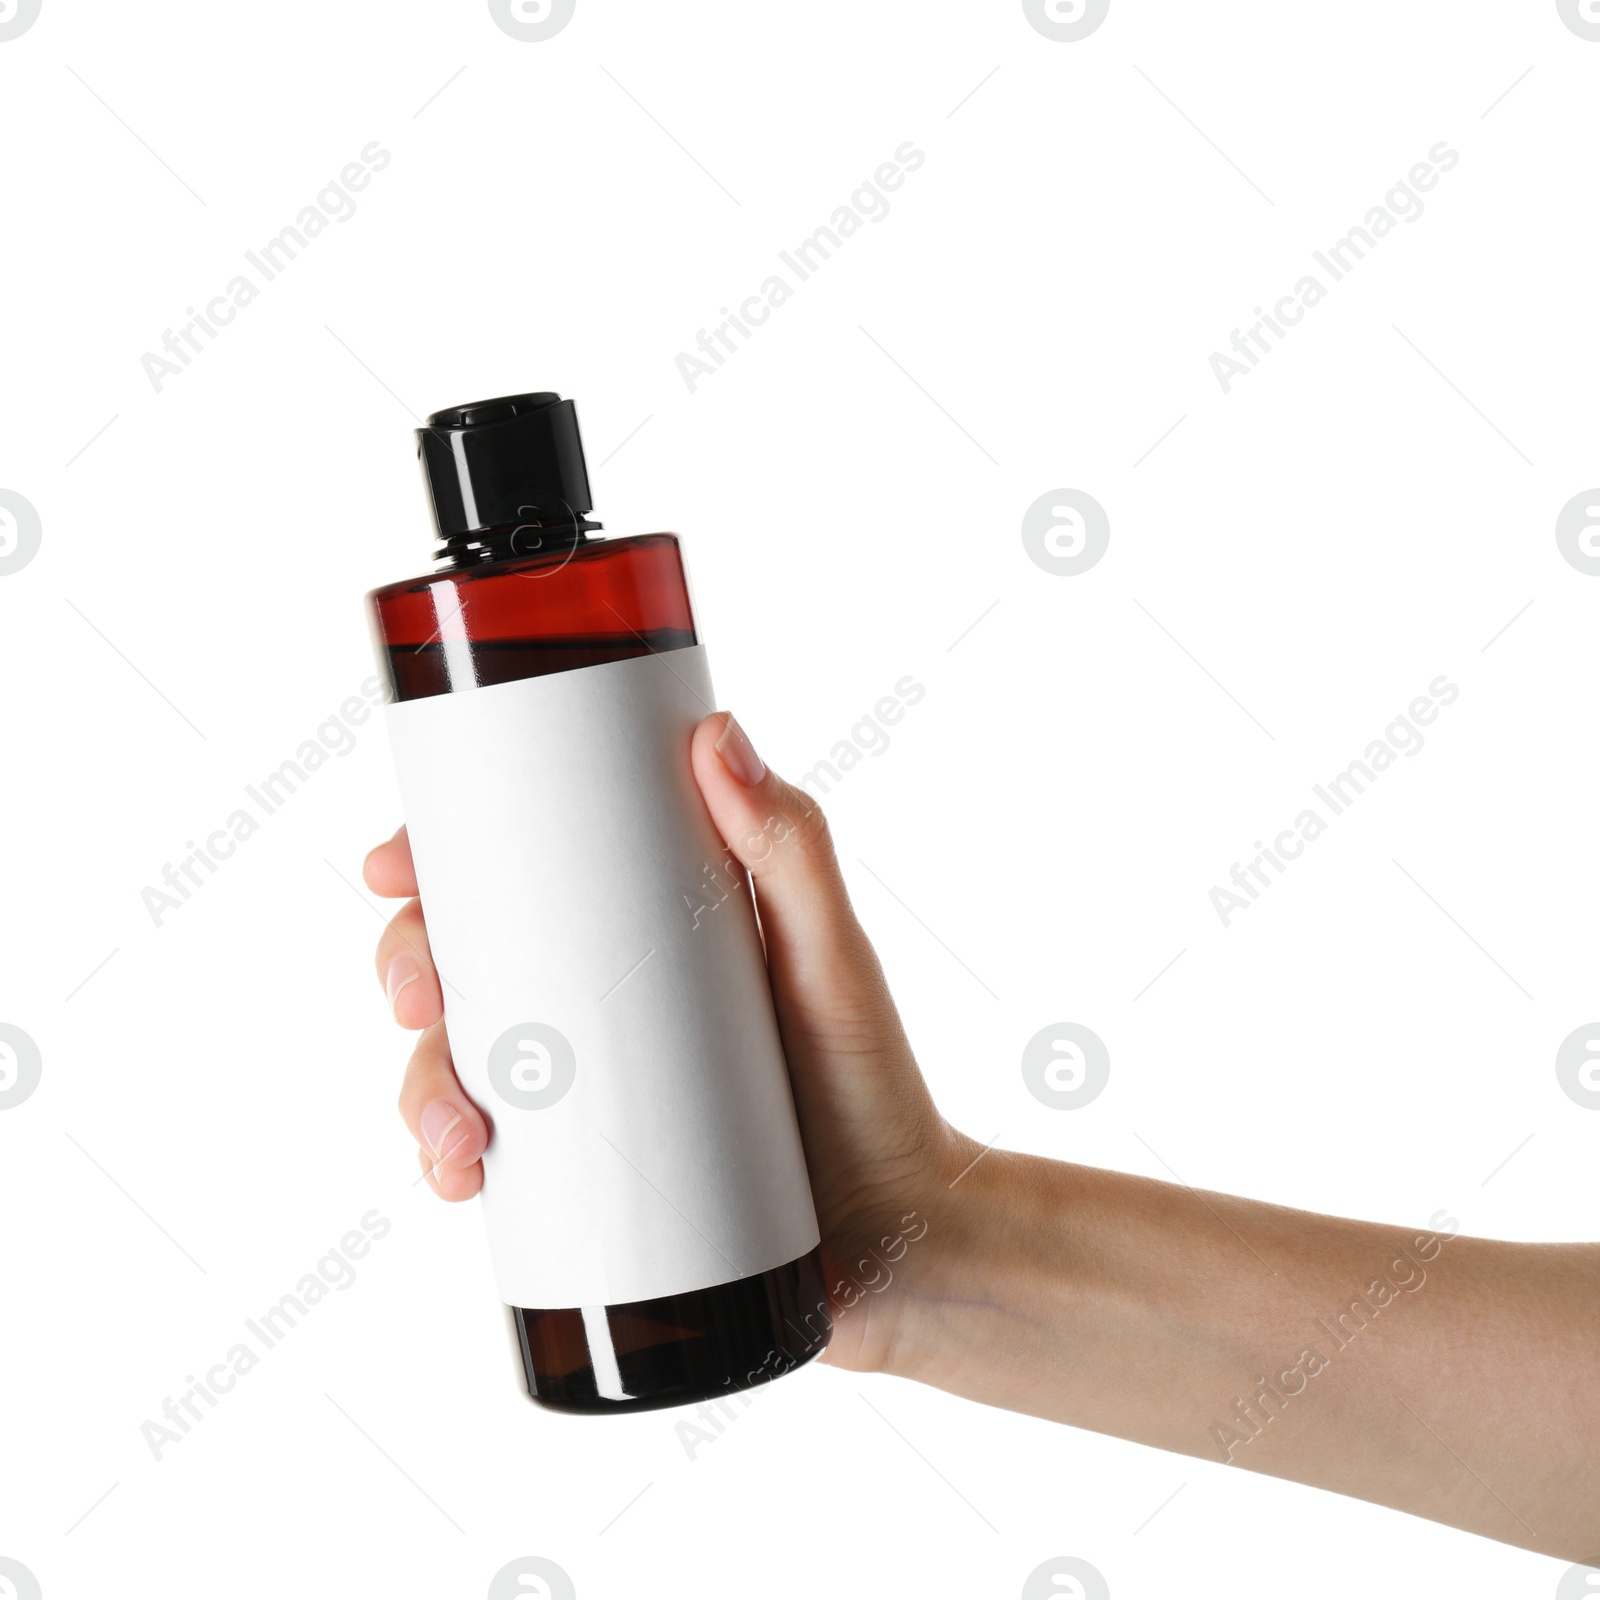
(605, 992)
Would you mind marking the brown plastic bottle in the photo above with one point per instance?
(523, 591)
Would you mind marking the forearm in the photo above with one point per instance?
(1449, 1377)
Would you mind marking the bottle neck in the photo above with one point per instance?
(514, 542)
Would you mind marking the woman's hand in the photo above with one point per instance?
(1453, 1378)
(876, 1148)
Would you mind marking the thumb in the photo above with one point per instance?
(872, 1134)
(826, 979)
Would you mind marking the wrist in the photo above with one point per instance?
(991, 1249)
(1058, 1290)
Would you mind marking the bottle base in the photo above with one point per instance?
(676, 1350)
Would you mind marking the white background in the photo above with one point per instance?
(1367, 510)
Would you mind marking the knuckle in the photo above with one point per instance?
(809, 821)
(796, 824)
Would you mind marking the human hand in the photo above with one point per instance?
(876, 1147)
(1130, 1306)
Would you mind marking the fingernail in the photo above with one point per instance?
(739, 755)
(438, 1118)
(402, 970)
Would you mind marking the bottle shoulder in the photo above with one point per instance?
(591, 556)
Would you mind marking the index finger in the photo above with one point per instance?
(388, 870)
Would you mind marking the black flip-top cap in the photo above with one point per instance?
(517, 459)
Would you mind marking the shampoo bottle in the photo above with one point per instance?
(649, 1215)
